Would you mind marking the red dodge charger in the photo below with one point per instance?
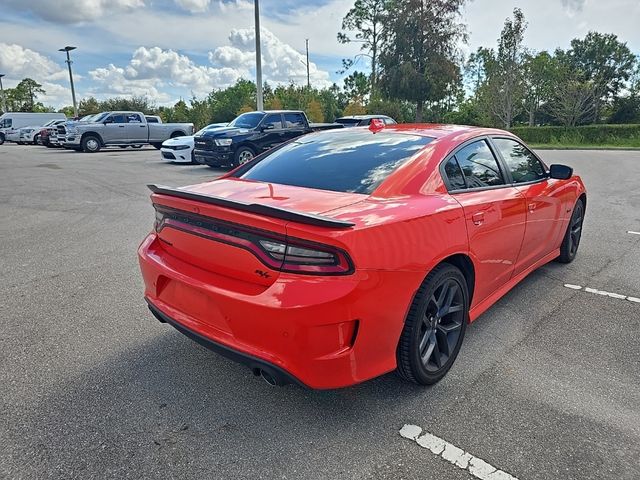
(345, 254)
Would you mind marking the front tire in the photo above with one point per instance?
(1, 138)
(91, 144)
(243, 155)
(36, 139)
(435, 326)
(571, 240)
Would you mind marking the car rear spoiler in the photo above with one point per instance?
(269, 211)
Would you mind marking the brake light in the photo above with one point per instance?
(376, 125)
(278, 252)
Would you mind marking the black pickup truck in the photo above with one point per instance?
(250, 134)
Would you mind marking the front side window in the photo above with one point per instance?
(337, 160)
(118, 118)
(479, 166)
(272, 122)
(6, 123)
(522, 164)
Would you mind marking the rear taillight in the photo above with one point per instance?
(282, 253)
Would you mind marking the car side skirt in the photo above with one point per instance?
(485, 304)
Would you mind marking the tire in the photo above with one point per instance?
(123, 146)
(177, 134)
(1, 138)
(429, 329)
(20, 143)
(91, 144)
(157, 146)
(243, 155)
(36, 139)
(136, 146)
(571, 240)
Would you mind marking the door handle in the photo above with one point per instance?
(142, 126)
(532, 207)
(120, 126)
(478, 218)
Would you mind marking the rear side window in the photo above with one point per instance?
(134, 118)
(479, 166)
(293, 120)
(454, 174)
(523, 165)
(337, 160)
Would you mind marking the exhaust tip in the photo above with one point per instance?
(267, 377)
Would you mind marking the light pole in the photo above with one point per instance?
(73, 90)
(259, 99)
(4, 100)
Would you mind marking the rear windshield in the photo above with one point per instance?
(339, 160)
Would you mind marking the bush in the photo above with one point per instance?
(622, 135)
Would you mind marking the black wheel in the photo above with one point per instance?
(91, 144)
(1, 138)
(136, 146)
(571, 241)
(177, 134)
(158, 146)
(123, 146)
(20, 143)
(435, 326)
(243, 155)
(36, 139)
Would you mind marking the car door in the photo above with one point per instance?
(294, 126)
(272, 131)
(114, 129)
(543, 196)
(136, 128)
(494, 210)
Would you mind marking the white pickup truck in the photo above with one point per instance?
(120, 129)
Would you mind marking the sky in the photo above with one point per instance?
(172, 49)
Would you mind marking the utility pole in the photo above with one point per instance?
(4, 100)
(308, 78)
(73, 90)
(259, 99)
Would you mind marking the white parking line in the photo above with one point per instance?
(619, 296)
(633, 233)
(454, 455)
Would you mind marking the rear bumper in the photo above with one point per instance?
(321, 332)
(280, 376)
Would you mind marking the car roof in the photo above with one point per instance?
(362, 117)
(441, 130)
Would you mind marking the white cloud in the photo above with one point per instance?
(193, 6)
(74, 11)
(281, 63)
(18, 62)
(152, 71)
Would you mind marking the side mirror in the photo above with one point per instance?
(560, 172)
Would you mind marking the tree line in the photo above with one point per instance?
(410, 66)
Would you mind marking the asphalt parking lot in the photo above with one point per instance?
(92, 386)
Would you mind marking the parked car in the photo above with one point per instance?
(49, 132)
(180, 149)
(250, 134)
(351, 253)
(118, 129)
(12, 122)
(33, 134)
(364, 120)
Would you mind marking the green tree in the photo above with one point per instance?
(605, 62)
(314, 111)
(89, 106)
(418, 60)
(356, 86)
(226, 103)
(540, 77)
(366, 20)
(504, 85)
(28, 90)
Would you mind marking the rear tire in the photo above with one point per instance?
(435, 326)
(91, 144)
(157, 146)
(571, 240)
